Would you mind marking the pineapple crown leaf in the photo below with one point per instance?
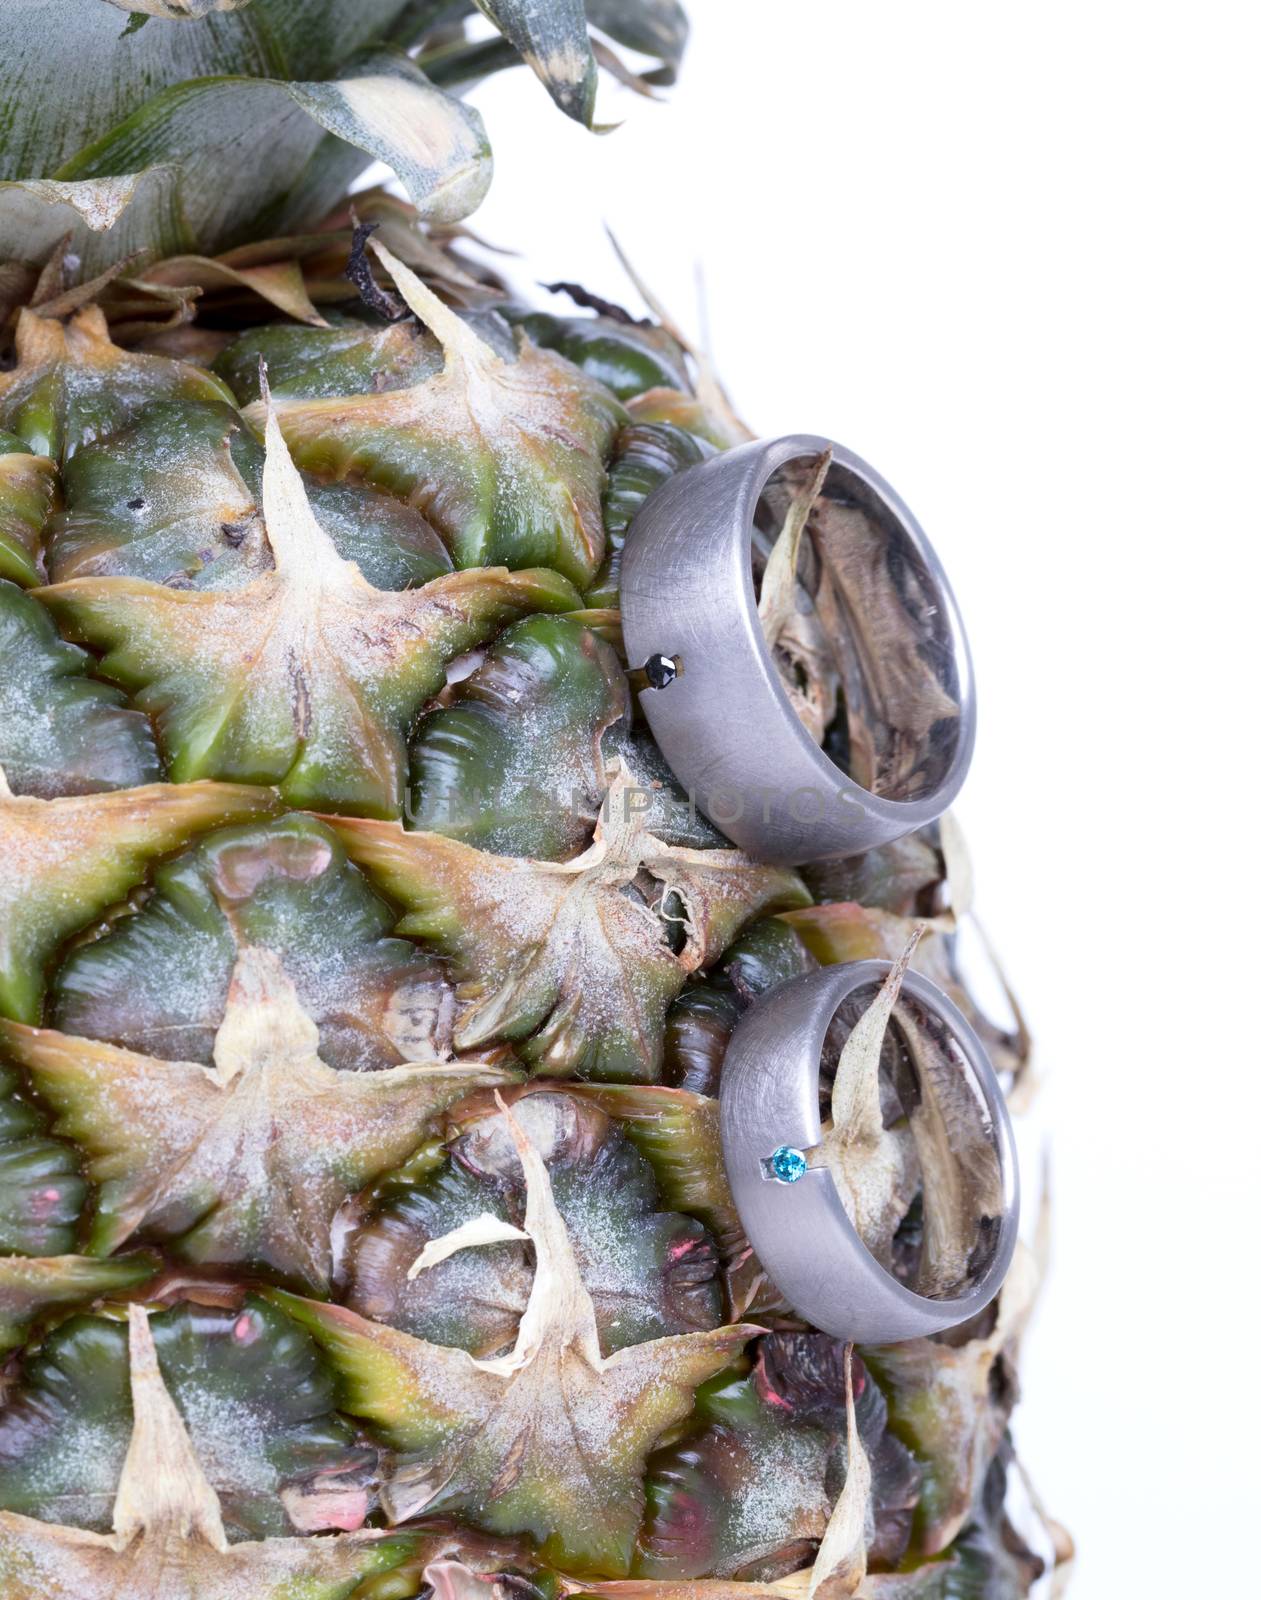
(186, 132)
(174, 10)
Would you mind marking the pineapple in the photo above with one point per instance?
(364, 978)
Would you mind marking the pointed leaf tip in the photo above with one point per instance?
(553, 41)
(163, 1487)
(841, 1564)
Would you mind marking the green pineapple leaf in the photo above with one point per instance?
(202, 123)
(308, 676)
(176, 10)
(549, 1440)
(578, 960)
(505, 457)
(552, 40)
(185, 136)
(245, 1162)
(168, 1540)
(650, 1272)
(653, 27)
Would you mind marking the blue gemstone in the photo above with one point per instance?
(787, 1164)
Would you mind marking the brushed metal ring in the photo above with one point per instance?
(799, 1230)
(725, 723)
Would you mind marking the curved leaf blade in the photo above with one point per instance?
(551, 36)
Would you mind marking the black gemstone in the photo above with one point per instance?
(660, 670)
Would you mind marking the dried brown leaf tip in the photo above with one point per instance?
(549, 1439)
(841, 1564)
(907, 1125)
(790, 629)
(874, 1167)
(858, 637)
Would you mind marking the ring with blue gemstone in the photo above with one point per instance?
(789, 1203)
(787, 1165)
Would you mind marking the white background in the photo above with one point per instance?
(1006, 253)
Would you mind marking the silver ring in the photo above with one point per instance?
(715, 702)
(800, 1230)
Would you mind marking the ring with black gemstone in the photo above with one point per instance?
(715, 698)
(792, 1210)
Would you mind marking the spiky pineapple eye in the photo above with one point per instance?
(229, 1049)
(285, 887)
(505, 457)
(650, 1272)
(256, 1395)
(298, 673)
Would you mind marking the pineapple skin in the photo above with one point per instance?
(365, 981)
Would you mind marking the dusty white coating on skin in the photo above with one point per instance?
(64, 859)
(308, 668)
(168, 1541)
(163, 1489)
(578, 947)
(259, 1150)
(437, 141)
(484, 444)
(552, 1416)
